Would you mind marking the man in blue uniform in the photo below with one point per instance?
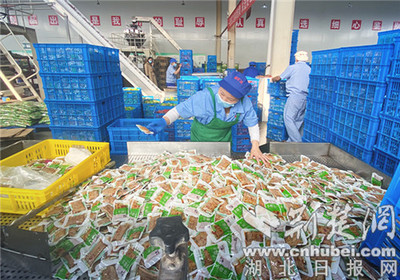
(297, 76)
(215, 110)
(251, 71)
(172, 71)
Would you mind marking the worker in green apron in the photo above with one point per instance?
(215, 110)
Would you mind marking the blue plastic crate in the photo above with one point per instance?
(325, 62)
(186, 72)
(85, 114)
(395, 68)
(385, 162)
(240, 130)
(389, 136)
(276, 133)
(125, 130)
(211, 70)
(396, 54)
(187, 86)
(185, 55)
(71, 58)
(254, 84)
(277, 103)
(392, 100)
(387, 37)
(315, 133)
(360, 96)
(211, 58)
(112, 60)
(351, 148)
(134, 112)
(277, 88)
(368, 63)
(149, 105)
(76, 87)
(358, 129)
(182, 129)
(276, 118)
(318, 112)
(132, 96)
(253, 98)
(80, 134)
(322, 88)
(241, 144)
(209, 82)
(198, 70)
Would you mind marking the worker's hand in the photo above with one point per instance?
(276, 79)
(157, 126)
(258, 155)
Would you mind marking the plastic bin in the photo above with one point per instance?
(276, 133)
(209, 82)
(385, 162)
(368, 63)
(277, 88)
(387, 37)
(276, 118)
(241, 144)
(240, 130)
(351, 148)
(99, 134)
(318, 112)
(182, 129)
(389, 136)
(358, 129)
(76, 87)
(322, 88)
(325, 62)
(112, 60)
(85, 114)
(71, 58)
(149, 106)
(187, 86)
(185, 54)
(392, 100)
(261, 67)
(132, 96)
(133, 112)
(277, 103)
(254, 85)
(21, 201)
(313, 132)
(125, 130)
(361, 97)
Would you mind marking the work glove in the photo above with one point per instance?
(157, 126)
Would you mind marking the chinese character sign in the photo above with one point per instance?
(356, 24)
(260, 22)
(178, 22)
(304, 23)
(53, 20)
(95, 20)
(13, 20)
(240, 23)
(200, 22)
(335, 24)
(139, 23)
(115, 20)
(159, 20)
(32, 20)
(377, 25)
(396, 25)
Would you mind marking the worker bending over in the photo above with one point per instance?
(297, 76)
(215, 110)
(251, 71)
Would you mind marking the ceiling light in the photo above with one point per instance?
(264, 6)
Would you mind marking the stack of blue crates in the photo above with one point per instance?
(387, 150)
(133, 102)
(293, 49)
(359, 98)
(321, 95)
(276, 129)
(83, 89)
(186, 61)
(381, 238)
(212, 63)
(208, 81)
(240, 135)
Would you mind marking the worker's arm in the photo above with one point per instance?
(171, 116)
(255, 152)
(178, 70)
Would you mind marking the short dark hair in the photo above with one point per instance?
(149, 58)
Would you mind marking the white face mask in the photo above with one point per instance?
(224, 103)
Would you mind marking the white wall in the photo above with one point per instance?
(251, 43)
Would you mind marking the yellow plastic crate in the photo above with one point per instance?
(21, 201)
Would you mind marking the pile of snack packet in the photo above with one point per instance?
(23, 114)
(103, 229)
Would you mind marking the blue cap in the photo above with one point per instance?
(252, 63)
(172, 60)
(236, 84)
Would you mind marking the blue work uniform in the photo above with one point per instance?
(251, 71)
(171, 77)
(298, 78)
(201, 106)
